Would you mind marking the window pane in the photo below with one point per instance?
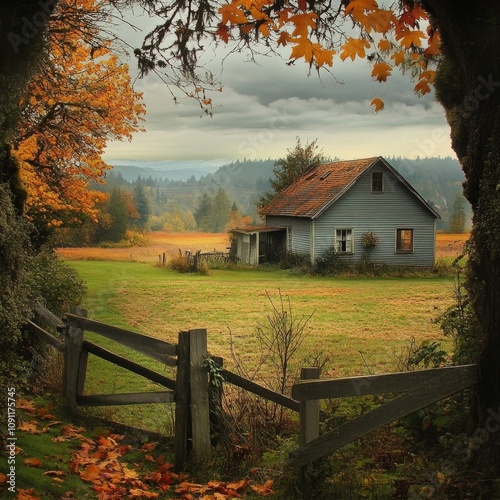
(404, 240)
(377, 182)
(344, 240)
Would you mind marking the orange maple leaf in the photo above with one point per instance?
(240, 485)
(26, 405)
(384, 45)
(302, 23)
(422, 87)
(284, 38)
(323, 56)
(30, 494)
(139, 493)
(356, 8)
(149, 446)
(381, 71)
(354, 47)
(303, 48)
(91, 473)
(378, 104)
(380, 21)
(408, 37)
(29, 427)
(264, 489)
(32, 462)
(399, 57)
(231, 14)
(223, 32)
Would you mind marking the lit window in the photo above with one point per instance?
(377, 182)
(343, 241)
(404, 240)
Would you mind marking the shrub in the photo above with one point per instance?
(136, 239)
(188, 263)
(14, 254)
(57, 284)
(369, 240)
(292, 260)
(330, 263)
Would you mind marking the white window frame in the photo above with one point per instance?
(349, 238)
(382, 187)
(398, 239)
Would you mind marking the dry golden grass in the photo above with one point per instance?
(450, 245)
(160, 242)
(447, 246)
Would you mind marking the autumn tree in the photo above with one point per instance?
(236, 219)
(66, 43)
(287, 170)
(81, 99)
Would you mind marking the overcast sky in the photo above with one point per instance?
(264, 107)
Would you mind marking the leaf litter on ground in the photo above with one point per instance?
(101, 461)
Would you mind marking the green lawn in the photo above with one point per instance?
(359, 322)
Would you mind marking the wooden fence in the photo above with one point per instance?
(420, 388)
(190, 391)
(193, 395)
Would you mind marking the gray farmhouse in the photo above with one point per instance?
(342, 205)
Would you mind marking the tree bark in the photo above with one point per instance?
(468, 87)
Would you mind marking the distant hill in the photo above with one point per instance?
(438, 180)
(165, 169)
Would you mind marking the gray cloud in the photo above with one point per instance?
(263, 107)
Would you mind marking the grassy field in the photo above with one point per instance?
(362, 324)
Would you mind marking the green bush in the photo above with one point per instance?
(292, 260)
(59, 286)
(330, 263)
(14, 254)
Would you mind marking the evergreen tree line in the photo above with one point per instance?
(174, 203)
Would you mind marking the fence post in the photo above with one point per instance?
(182, 397)
(73, 341)
(192, 414)
(309, 410)
(309, 426)
(200, 412)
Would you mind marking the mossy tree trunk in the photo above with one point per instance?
(468, 86)
(21, 33)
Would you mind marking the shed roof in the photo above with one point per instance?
(322, 185)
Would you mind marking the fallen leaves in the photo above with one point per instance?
(219, 490)
(103, 462)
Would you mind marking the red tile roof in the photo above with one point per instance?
(317, 188)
